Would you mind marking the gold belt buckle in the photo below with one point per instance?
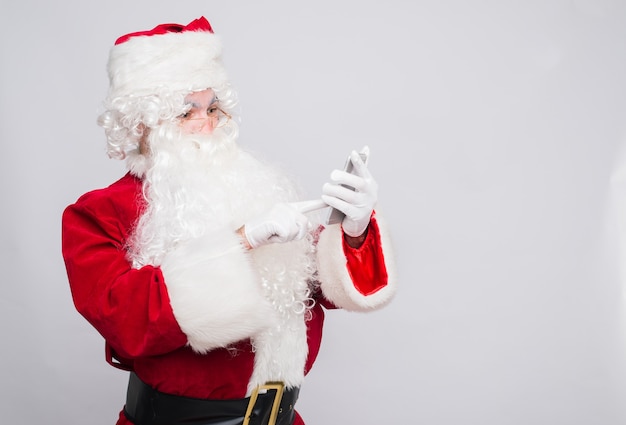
(279, 387)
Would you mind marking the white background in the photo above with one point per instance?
(496, 130)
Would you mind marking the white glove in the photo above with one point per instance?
(281, 223)
(357, 204)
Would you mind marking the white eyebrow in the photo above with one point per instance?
(196, 105)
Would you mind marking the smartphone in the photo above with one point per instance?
(334, 215)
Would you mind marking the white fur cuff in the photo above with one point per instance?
(214, 293)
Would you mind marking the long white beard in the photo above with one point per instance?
(194, 185)
(198, 183)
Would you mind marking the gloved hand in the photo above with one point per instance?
(357, 204)
(281, 223)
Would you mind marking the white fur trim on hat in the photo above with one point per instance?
(184, 61)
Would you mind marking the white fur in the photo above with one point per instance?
(214, 291)
(335, 280)
(185, 61)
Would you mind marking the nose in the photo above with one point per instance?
(206, 125)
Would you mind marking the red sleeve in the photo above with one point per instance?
(366, 264)
(129, 307)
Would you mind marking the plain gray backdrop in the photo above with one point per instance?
(496, 131)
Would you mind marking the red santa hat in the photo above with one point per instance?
(170, 57)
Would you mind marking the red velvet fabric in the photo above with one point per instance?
(366, 264)
(200, 24)
(130, 307)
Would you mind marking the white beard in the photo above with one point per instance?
(197, 184)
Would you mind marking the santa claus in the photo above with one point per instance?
(200, 267)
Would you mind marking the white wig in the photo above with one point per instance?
(151, 72)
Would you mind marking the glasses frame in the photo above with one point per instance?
(220, 122)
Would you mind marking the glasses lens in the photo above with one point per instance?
(216, 116)
(221, 119)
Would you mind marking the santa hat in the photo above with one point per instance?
(170, 57)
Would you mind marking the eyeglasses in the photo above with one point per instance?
(216, 116)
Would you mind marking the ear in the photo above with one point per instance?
(143, 141)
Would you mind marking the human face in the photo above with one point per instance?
(204, 113)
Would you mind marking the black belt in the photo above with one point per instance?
(147, 406)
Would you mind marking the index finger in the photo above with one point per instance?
(359, 166)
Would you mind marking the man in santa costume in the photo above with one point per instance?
(201, 267)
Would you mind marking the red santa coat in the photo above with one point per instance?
(132, 308)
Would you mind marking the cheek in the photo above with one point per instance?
(187, 127)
